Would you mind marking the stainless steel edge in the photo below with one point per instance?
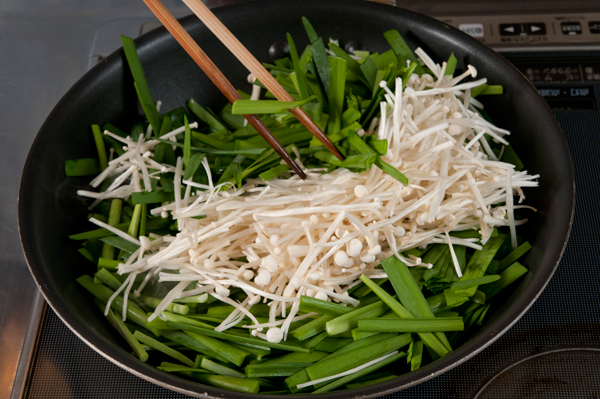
(30, 342)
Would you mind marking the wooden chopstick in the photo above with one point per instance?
(259, 71)
(217, 77)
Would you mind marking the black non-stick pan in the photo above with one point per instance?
(49, 209)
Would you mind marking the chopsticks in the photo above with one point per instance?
(217, 77)
(256, 68)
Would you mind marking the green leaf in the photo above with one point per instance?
(352, 64)
(193, 165)
(339, 363)
(116, 145)
(479, 297)
(383, 61)
(288, 85)
(356, 142)
(408, 292)
(113, 129)
(451, 66)
(453, 299)
(411, 69)
(152, 197)
(359, 161)
(514, 256)
(373, 107)
(141, 85)
(233, 172)
(350, 116)
(242, 107)
(136, 131)
(204, 115)
(100, 146)
(121, 243)
(479, 263)
(208, 140)
(187, 142)
(493, 90)
(309, 304)
(276, 171)
(486, 90)
(348, 321)
(82, 167)
(474, 282)
(161, 149)
(401, 49)
(229, 337)
(337, 83)
(166, 126)
(316, 87)
(301, 82)
(432, 342)
(310, 31)
(417, 357)
(327, 157)
(511, 157)
(120, 326)
(235, 121)
(243, 94)
(305, 59)
(151, 342)
(508, 276)
(345, 380)
(314, 111)
(321, 63)
(379, 146)
(166, 182)
(369, 70)
(422, 325)
(340, 135)
(283, 63)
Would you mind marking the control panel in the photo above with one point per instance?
(524, 32)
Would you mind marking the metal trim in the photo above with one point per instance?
(566, 48)
(30, 344)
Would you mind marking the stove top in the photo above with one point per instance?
(552, 352)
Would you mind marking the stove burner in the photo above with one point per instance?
(561, 373)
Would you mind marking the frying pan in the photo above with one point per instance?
(49, 209)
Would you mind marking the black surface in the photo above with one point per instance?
(560, 374)
(106, 94)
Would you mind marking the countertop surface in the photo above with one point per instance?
(45, 47)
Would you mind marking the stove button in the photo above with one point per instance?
(571, 28)
(475, 30)
(536, 28)
(594, 26)
(512, 30)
